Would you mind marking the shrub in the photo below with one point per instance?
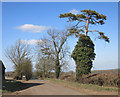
(100, 81)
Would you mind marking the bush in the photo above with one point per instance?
(100, 81)
(92, 82)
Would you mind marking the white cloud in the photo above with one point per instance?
(33, 28)
(74, 11)
(31, 42)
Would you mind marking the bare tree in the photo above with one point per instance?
(45, 57)
(54, 47)
(17, 54)
(45, 65)
(58, 40)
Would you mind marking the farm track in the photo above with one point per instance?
(39, 87)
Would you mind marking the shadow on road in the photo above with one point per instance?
(12, 85)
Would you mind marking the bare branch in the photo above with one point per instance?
(93, 31)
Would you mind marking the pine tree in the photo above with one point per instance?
(88, 17)
(83, 53)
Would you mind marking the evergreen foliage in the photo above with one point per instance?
(83, 54)
(89, 17)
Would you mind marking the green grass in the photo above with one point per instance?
(84, 86)
(5, 91)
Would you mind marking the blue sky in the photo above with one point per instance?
(30, 21)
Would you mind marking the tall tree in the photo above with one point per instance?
(55, 47)
(17, 53)
(58, 40)
(83, 53)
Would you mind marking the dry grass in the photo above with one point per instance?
(101, 78)
(88, 89)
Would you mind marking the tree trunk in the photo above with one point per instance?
(21, 76)
(44, 71)
(86, 30)
(57, 69)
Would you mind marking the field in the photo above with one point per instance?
(114, 71)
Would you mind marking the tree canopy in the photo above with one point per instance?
(19, 54)
(88, 17)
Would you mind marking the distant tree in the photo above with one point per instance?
(83, 53)
(17, 53)
(45, 58)
(45, 65)
(27, 68)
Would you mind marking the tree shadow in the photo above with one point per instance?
(12, 85)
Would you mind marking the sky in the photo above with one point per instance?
(29, 21)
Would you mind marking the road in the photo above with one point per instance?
(40, 87)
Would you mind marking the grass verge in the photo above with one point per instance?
(91, 87)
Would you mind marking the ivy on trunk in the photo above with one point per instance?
(83, 54)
